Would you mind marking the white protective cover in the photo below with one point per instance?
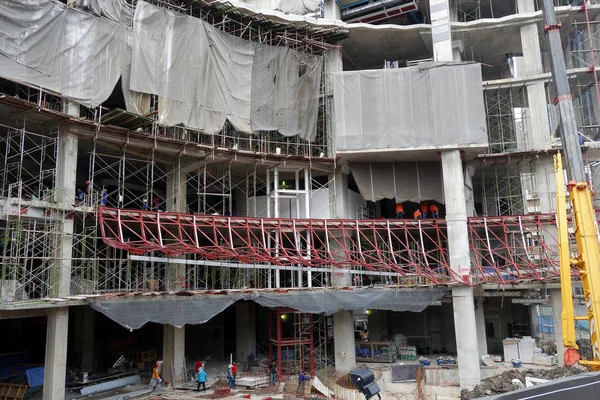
(117, 10)
(299, 7)
(205, 76)
(403, 181)
(46, 44)
(429, 105)
(285, 89)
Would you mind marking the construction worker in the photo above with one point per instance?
(399, 210)
(302, 378)
(104, 199)
(435, 211)
(424, 209)
(156, 380)
(417, 214)
(201, 379)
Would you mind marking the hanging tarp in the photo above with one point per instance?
(205, 76)
(285, 90)
(198, 308)
(403, 181)
(431, 105)
(46, 44)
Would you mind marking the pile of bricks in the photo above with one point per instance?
(221, 392)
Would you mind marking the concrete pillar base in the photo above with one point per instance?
(466, 334)
(343, 341)
(55, 365)
(174, 368)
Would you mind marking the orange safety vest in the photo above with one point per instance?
(417, 214)
(434, 208)
(424, 207)
(399, 207)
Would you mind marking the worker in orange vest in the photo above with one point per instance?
(435, 211)
(424, 209)
(417, 214)
(399, 211)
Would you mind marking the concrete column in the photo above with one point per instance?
(538, 128)
(176, 201)
(245, 332)
(556, 299)
(480, 326)
(343, 326)
(55, 365)
(440, 30)
(174, 338)
(66, 174)
(332, 10)
(174, 354)
(340, 195)
(176, 189)
(460, 263)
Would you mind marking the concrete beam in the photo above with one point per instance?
(55, 365)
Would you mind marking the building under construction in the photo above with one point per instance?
(185, 179)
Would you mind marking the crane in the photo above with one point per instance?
(587, 260)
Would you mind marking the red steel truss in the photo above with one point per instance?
(503, 249)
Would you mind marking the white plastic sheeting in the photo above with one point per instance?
(403, 181)
(285, 86)
(117, 10)
(198, 308)
(205, 76)
(299, 7)
(429, 105)
(45, 44)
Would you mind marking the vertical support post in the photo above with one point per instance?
(55, 365)
(307, 189)
(460, 263)
(278, 322)
(60, 274)
(440, 30)
(174, 369)
(245, 321)
(276, 215)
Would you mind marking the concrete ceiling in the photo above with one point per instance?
(370, 45)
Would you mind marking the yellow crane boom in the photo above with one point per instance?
(587, 260)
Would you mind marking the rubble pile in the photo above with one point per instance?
(585, 349)
(503, 383)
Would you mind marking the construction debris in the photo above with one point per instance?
(503, 383)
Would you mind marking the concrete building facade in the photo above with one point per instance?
(167, 201)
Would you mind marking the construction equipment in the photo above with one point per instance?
(587, 262)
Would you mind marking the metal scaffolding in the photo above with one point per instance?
(507, 119)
